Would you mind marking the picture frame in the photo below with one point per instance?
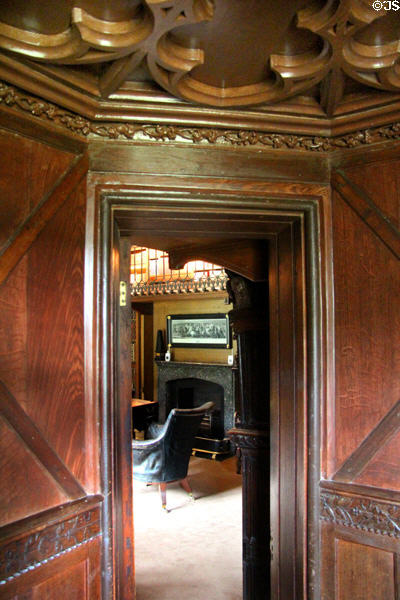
(199, 331)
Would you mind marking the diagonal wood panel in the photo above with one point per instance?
(34, 224)
(367, 210)
(27, 487)
(32, 169)
(384, 468)
(367, 321)
(372, 444)
(35, 441)
(381, 181)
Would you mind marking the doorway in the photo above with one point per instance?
(199, 535)
(293, 269)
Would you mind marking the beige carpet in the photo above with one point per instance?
(194, 551)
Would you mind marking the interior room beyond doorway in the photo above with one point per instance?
(201, 537)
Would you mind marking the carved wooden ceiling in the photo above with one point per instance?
(319, 59)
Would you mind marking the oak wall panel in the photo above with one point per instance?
(70, 583)
(363, 572)
(381, 181)
(30, 170)
(367, 325)
(50, 534)
(13, 331)
(73, 575)
(17, 466)
(384, 469)
(35, 169)
(55, 333)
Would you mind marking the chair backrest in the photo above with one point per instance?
(180, 431)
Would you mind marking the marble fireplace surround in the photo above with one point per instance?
(221, 374)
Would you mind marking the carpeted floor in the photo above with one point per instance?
(194, 551)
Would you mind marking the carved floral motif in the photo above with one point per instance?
(361, 513)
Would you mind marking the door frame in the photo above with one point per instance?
(302, 209)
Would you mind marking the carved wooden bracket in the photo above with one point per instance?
(246, 257)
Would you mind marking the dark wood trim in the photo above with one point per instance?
(397, 576)
(31, 127)
(49, 517)
(29, 230)
(109, 156)
(366, 538)
(91, 357)
(317, 290)
(366, 514)
(368, 212)
(387, 427)
(151, 198)
(38, 445)
(104, 337)
(26, 544)
(364, 155)
(122, 392)
(138, 103)
(356, 489)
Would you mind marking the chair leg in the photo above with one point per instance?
(184, 483)
(163, 491)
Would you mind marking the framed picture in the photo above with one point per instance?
(201, 331)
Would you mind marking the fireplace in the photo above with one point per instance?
(187, 385)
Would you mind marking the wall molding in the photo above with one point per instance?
(14, 98)
(27, 551)
(363, 513)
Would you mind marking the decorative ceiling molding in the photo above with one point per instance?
(219, 53)
(13, 98)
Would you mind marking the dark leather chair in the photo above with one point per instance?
(165, 457)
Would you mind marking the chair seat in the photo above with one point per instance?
(164, 457)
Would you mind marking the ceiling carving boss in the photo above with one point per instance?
(218, 53)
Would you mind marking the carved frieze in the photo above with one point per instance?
(14, 98)
(18, 556)
(361, 513)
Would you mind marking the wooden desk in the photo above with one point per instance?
(143, 412)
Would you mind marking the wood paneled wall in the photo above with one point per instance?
(51, 530)
(360, 505)
(49, 514)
